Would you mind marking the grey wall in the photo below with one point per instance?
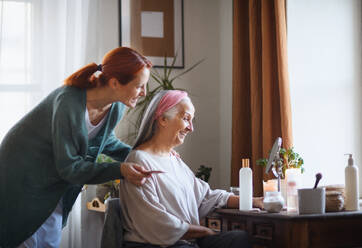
(207, 35)
(324, 49)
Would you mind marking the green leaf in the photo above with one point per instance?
(262, 162)
(293, 159)
(156, 73)
(203, 172)
(165, 66)
(154, 91)
(172, 65)
(282, 151)
(158, 80)
(186, 71)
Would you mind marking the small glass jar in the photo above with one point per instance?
(273, 202)
(234, 190)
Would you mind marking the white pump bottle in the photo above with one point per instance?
(351, 185)
(245, 186)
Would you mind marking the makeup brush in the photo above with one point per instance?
(318, 177)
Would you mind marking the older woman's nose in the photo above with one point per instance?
(190, 127)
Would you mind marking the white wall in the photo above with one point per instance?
(109, 36)
(208, 35)
(324, 49)
(201, 26)
(324, 43)
(225, 86)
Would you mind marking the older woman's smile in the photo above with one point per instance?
(183, 134)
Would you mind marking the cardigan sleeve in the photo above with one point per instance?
(69, 140)
(115, 148)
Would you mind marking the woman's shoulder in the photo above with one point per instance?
(147, 159)
(69, 96)
(133, 154)
(69, 91)
(67, 101)
(137, 156)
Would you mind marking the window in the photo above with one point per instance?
(324, 45)
(15, 62)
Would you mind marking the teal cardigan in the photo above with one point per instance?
(47, 156)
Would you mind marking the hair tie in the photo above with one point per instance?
(99, 67)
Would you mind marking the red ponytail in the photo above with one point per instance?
(121, 63)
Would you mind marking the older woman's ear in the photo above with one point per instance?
(162, 121)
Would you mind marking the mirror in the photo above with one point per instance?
(275, 163)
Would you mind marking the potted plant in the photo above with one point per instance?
(290, 159)
(110, 188)
(204, 172)
(292, 168)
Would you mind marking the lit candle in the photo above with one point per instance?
(270, 185)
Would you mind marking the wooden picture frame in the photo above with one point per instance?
(154, 28)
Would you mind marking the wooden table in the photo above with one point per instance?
(291, 230)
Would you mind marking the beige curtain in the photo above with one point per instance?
(261, 98)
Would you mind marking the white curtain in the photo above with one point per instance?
(67, 39)
(58, 37)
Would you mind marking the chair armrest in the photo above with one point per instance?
(112, 235)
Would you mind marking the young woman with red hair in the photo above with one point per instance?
(48, 156)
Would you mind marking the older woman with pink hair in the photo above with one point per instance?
(166, 210)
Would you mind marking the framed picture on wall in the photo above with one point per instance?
(155, 29)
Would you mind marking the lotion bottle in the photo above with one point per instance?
(245, 186)
(351, 185)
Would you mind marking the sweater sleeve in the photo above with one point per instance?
(209, 199)
(115, 148)
(69, 140)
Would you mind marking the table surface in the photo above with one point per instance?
(290, 229)
(289, 215)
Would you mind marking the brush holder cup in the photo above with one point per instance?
(312, 201)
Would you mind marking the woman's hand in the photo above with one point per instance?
(209, 231)
(258, 202)
(196, 231)
(134, 173)
(233, 202)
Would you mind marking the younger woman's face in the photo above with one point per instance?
(131, 92)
